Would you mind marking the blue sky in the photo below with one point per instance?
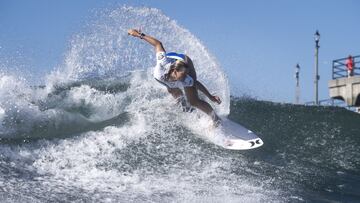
(258, 43)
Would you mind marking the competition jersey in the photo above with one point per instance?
(163, 63)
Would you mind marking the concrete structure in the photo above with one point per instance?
(346, 89)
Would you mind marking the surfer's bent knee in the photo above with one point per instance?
(175, 92)
(194, 101)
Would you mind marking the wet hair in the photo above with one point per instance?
(178, 65)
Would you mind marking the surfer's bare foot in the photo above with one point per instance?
(216, 121)
(228, 143)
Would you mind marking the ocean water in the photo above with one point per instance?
(102, 130)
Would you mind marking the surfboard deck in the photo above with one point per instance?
(229, 134)
(234, 136)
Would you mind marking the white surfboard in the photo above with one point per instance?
(231, 135)
(228, 134)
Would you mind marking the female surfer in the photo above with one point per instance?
(177, 71)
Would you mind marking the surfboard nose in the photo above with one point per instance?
(256, 143)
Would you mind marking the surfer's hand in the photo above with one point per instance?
(134, 33)
(215, 99)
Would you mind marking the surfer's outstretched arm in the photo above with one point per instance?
(203, 89)
(151, 40)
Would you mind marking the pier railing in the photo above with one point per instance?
(327, 102)
(332, 102)
(339, 69)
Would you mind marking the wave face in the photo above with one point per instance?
(102, 130)
(312, 150)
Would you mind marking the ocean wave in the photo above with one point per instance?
(102, 129)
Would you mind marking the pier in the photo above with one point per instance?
(342, 86)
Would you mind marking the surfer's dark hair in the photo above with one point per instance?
(179, 65)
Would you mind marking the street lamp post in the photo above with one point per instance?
(297, 88)
(317, 77)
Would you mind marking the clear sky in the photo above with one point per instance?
(258, 43)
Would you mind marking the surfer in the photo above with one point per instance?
(176, 71)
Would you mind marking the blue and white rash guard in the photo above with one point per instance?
(163, 63)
